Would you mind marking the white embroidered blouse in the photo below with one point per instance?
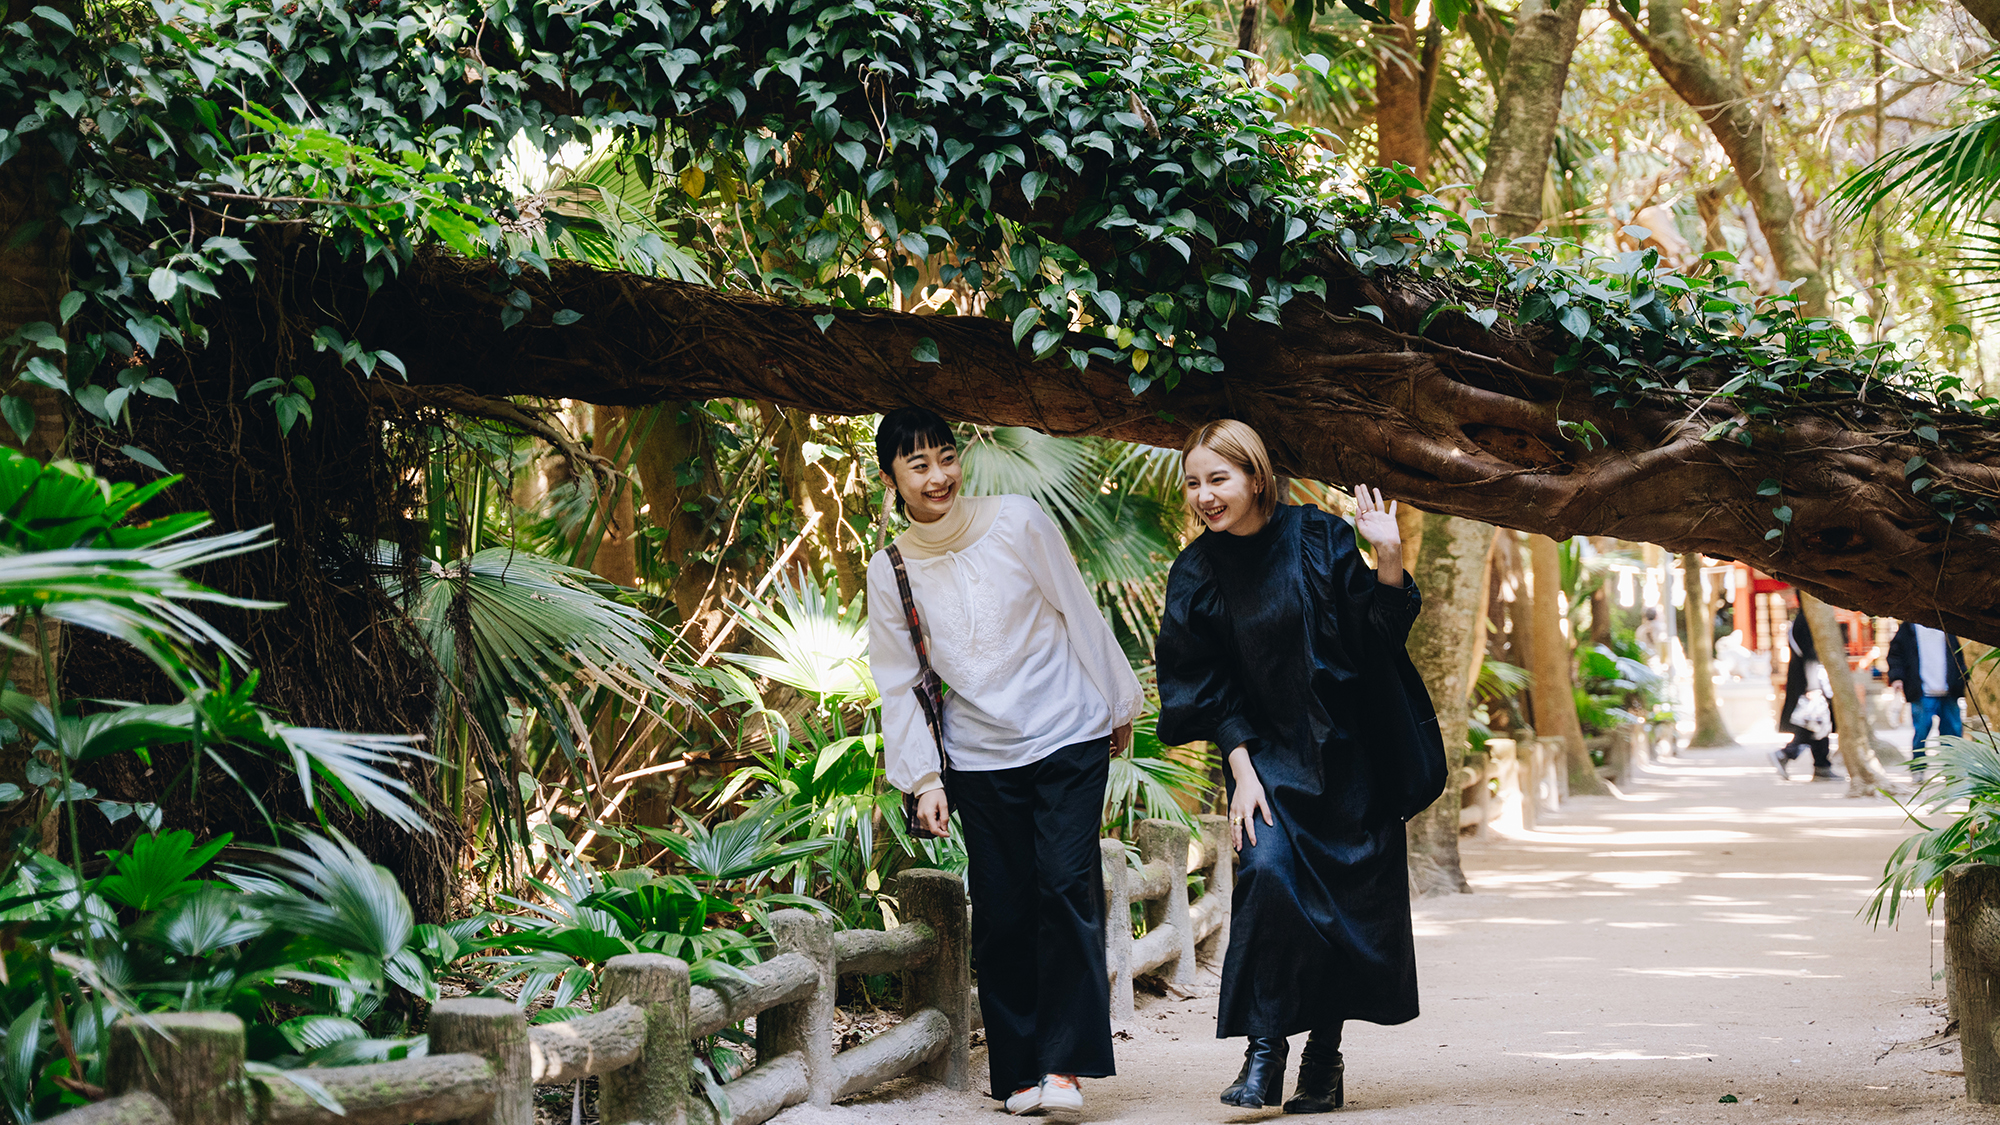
(1030, 662)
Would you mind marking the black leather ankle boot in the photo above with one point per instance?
(1322, 1078)
(1262, 1080)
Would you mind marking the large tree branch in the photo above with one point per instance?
(1459, 420)
(1724, 106)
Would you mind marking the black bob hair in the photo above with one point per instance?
(907, 429)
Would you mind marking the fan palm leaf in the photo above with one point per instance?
(1118, 508)
(506, 627)
(816, 645)
(328, 889)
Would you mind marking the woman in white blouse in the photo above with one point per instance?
(1040, 697)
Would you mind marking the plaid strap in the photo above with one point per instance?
(929, 689)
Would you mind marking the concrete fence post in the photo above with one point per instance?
(1117, 928)
(1221, 878)
(654, 1089)
(192, 1062)
(1510, 769)
(1166, 842)
(944, 980)
(805, 1025)
(497, 1031)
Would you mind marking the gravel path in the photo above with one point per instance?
(1636, 959)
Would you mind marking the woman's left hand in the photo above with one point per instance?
(1121, 738)
(1376, 521)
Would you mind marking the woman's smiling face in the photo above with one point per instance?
(1221, 492)
(928, 479)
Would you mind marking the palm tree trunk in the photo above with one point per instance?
(1451, 573)
(617, 558)
(1554, 688)
(1709, 729)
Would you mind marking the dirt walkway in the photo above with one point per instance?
(1635, 960)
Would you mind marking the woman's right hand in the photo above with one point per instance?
(934, 812)
(1248, 801)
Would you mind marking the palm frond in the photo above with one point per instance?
(1051, 470)
(505, 626)
(1153, 780)
(136, 595)
(817, 645)
(1944, 178)
(332, 892)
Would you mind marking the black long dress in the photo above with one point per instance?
(1286, 642)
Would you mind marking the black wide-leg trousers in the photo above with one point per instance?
(1037, 892)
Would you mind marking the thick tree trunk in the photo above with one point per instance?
(613, 438)
(1250, 28)
(1982, 685)
(1987, 12)
(1451, 574)
(1458, 420)
(1554, 689)
(1524, 118)
(34, 276)
(1730, 113)
(1972, 953)
(1856, 737)
(676, 466)
(1709, 729)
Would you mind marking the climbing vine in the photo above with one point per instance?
(1099, 175)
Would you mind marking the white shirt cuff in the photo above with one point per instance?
(926, 783)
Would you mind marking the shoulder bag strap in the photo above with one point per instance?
(929, 689)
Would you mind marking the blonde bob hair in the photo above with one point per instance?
(1238, 444)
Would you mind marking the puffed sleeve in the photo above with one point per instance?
(1047, 556)
(909, 753)
(1332, 554)
(1198, 697)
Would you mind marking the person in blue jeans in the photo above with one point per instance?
(1925, 664)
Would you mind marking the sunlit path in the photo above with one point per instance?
(1635, 959)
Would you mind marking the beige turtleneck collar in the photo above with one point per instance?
(968, 519)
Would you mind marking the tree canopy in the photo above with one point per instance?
(1075, 216)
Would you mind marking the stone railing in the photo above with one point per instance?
(1518, 779)
(1175, 925)
(485, 1061)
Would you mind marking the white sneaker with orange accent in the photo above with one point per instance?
(1062, 1098)
(1026, 1101)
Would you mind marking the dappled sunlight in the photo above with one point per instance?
(1638, 880)
(1725, 973)
(1608, 1055)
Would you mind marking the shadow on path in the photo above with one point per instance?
(1635, 959)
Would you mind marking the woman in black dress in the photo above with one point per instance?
(1805, 675)
(1284, 648)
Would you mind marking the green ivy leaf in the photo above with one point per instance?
(20, 415)
(143, 458)
(926, 351)
(1024, 322)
